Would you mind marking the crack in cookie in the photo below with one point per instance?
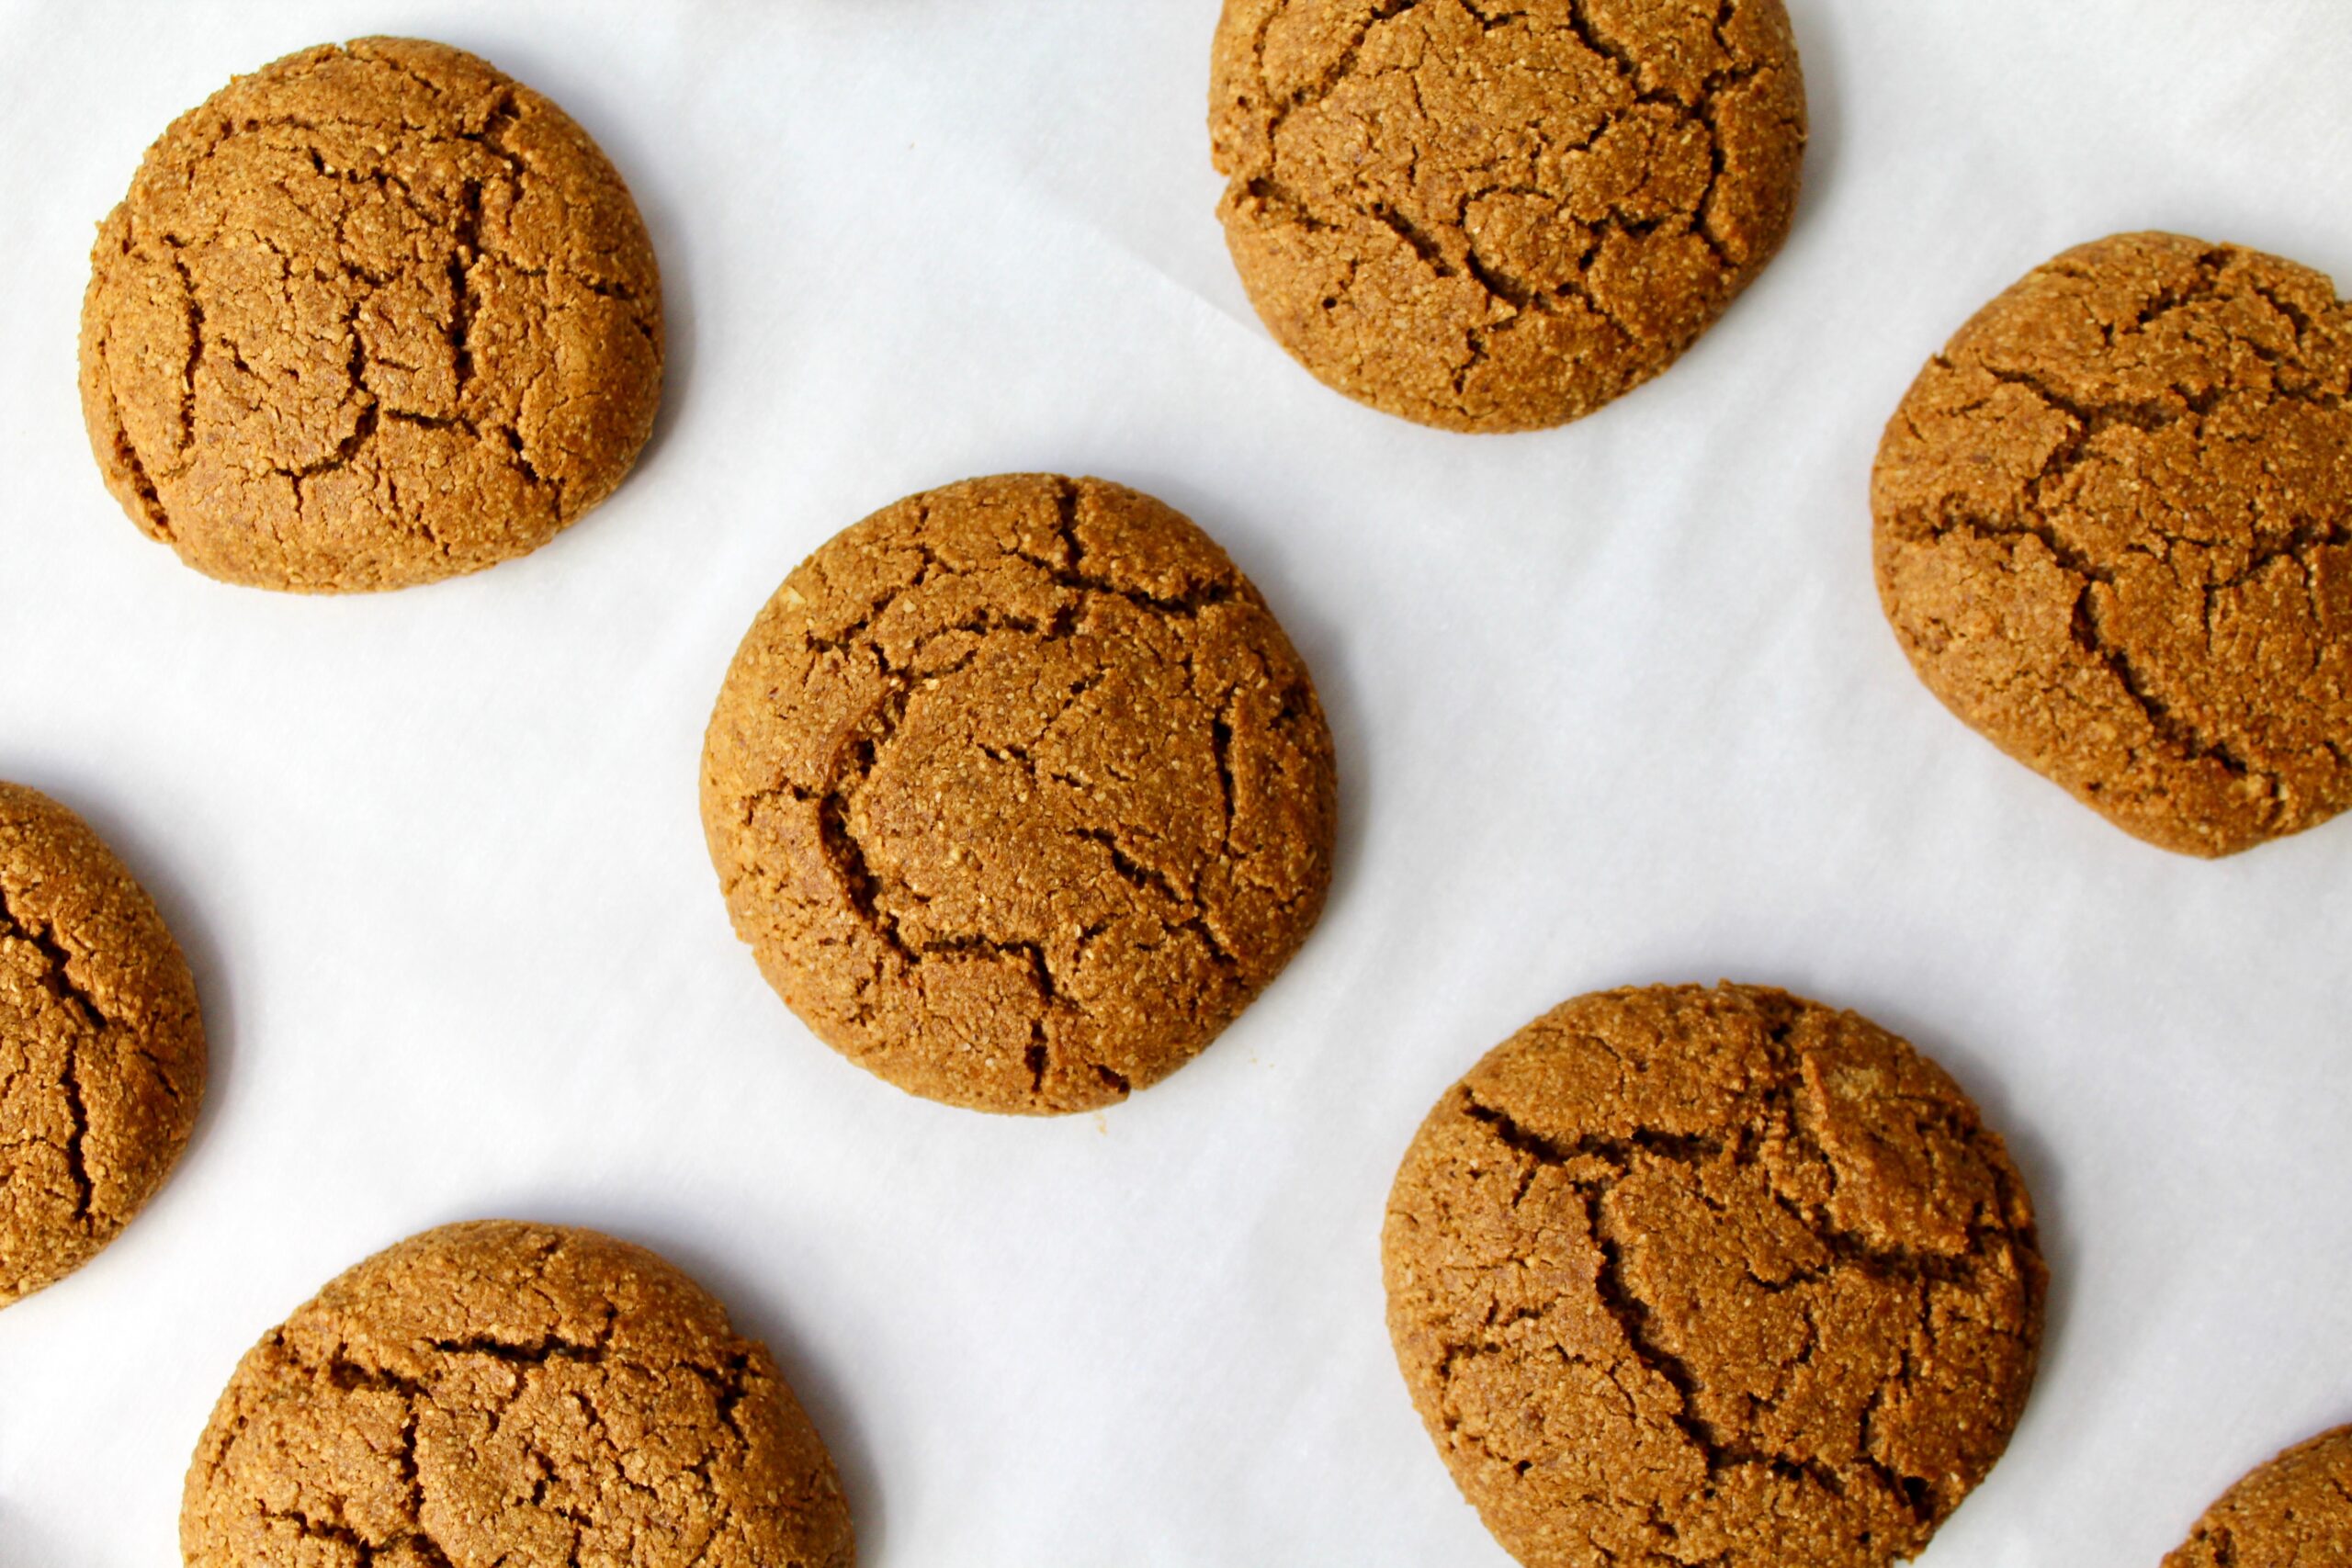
(2114, 534)
(1489, 218)
(505, 1393)
(102, 1052)
(1683, 1275)
(1018, 793)
(372, 316)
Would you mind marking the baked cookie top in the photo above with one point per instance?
(1488, 216)
(504, 1392)
(101, 1045)
(1712, 1275)
(1018, 793)
(2293, 1512)
(2114, 534)
(373, 315)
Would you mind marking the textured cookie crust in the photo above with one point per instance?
(2114, 534)
(371, 316)
(509, 1393)
(1682, 1276)
(1018, 793)
(101, 1045)
(1495, 216)
(2294, 1512)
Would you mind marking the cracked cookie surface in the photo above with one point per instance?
(372, 316)
(1019, 794)
(2114, 534)
(1685, 1275)
(102, 1051)
(2293, 1512)
(498, 1393)
(1502, 215)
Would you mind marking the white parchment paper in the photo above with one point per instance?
(1614, 704)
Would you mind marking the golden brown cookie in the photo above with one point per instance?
(2294, 1512)
(2114, 534)
(1019, 793)
(371, 316)
(1688, 1275)
(101, 1045)
(498, 1393)
(1488, 216)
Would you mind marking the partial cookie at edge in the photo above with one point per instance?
(102, 1049)
(1494, 222)
(2294, 1511)
(2114, 535)
(506, 1392)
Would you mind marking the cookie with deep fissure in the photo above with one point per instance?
(102, 1052)
(374, 315)
(1018, 793)
(1719, 1275)
(511, 1393)
(1493, 218)
(2114, 535)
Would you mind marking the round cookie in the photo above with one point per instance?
(2114, 534)
(101, 1045)
(372, 316)
(2294, 1512)
(503, 1393)
(1683, 1275)
(1490, 217)
(1018, 793)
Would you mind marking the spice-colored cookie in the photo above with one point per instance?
(1019, 793)
(502, 1393)
(101, 1045)
(2114, 534)
(1712, 1276)
(371, 316)
(2293, 1512)
(1494, 217)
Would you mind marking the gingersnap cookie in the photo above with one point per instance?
(2293, 1512)
(2114, 534)
(504, 1392)
(1487, 218)
(101, 1045)
(1691, 1275)
(1018, 793)
(371, 316)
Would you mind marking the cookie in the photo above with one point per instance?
(2114, 534)
(371, 316)
(1490, 217)
(2294, 1512)
(1019, 793)
(101, 1045)
(503, 1393)
(1686, 1275)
